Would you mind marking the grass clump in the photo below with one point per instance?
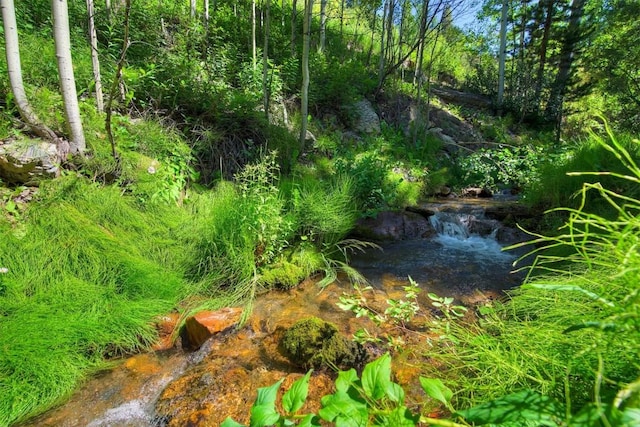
(86, 275)
(571, 331)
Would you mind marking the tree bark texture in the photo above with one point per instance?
(95, 61)
(304, 96)
(12, 50)
(62, 41)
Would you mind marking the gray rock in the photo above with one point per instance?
(28, 161)
(391, 225)
(366, 118)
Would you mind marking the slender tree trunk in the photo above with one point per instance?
(62, 41)
(95, 61)
(266, 84)
(503, 53)
(116, 80)
(390, 13)
(417, 74)
(323, 25)
(373, 32)
(254, 49)
(206, 17)
(192, 8)
(107, 6)
(294, 12)
(12, 51)
(304, 97)
(381, 62)
(543, 54)
(567, 56)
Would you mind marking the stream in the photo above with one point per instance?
(461, 258)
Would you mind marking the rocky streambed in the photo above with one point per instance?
(452, 249)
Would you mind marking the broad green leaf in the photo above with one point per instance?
(522, 407)
(342, 409)
(268, 395)
(395, 393)
(263, 415)
(346, 379)
(263, 411)
(229, 422)
(436, 389)
(310, 420)
(295, 397)
(376, 377)
(630, 417)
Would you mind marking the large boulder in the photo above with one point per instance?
(366, 119)
(28, 161)
(390, 225)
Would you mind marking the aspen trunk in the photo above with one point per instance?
(65, 70)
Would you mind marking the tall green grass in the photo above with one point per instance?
(87, 273)
(571, 331)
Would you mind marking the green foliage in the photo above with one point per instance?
(372, 400)
(558, 184)
(508, 165)
(87, 273)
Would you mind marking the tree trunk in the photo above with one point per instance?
(62, 41)
(116, 80)
(12, 50)
(294, 12)
(254, 49)
(323, 24)
(567, 56)
(381, 63)
(107, 6)
(417, 75)
(304, 96)
(266, 86)
(206, 17)
(503, 53)
(95, 61)
(192, 8)
(543, 54)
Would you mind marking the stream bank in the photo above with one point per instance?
(458, 254)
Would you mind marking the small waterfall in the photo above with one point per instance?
(452, 224)
(469, 232)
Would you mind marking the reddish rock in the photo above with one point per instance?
(203, 325)
(166, 327)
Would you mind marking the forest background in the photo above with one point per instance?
(203, 153)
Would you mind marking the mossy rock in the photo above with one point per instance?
(284, 275)
(314, 343)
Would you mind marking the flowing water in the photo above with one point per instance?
(174, 388)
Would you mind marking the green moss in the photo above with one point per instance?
(314, 343)
(283, 274)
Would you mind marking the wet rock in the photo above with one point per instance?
(203, 325)
(210, 394)
(391, 225)
(366, 118)
(314, 343)
(477, 192)
(166, 327)
(28, 161)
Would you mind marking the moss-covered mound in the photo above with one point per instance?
(314, 343)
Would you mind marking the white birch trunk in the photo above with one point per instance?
(12, 50)
(95, 61)
(323, 24)
(65, 70)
